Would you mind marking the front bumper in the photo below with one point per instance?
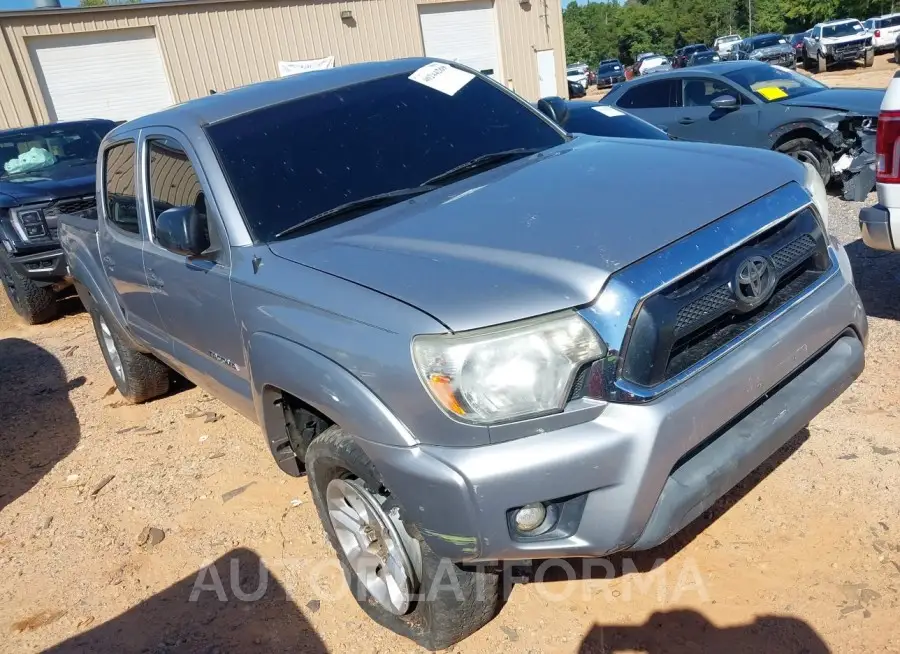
(43, 267)
(850, 54)
(875, 226)
(609, 81)
(638, 472)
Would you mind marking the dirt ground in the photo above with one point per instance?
(804, 556)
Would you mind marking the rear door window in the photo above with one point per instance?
(118, 185)
(651, 95)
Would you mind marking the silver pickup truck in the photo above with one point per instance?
(388, 268)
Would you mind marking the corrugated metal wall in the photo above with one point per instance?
(221, 44)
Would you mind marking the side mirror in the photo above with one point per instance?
(725, 103)
(555, 108)
(183, 231)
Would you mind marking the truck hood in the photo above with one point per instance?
(838, 40)
(60, 181)
(540, 234)
(865, 102)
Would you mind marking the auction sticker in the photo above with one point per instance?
(612, 112)
(442, 77)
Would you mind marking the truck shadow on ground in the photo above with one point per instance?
(689, 632)
(240, 607)
(38, 424)
(876, 274)
(620, 565)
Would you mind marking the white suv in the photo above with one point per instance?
(835, 41)
(724, 44)
(884, 31)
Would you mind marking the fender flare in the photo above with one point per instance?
(781, 131)
(277, 364)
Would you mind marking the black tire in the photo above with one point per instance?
(142, 377)
(34, 304)
(434, 623)
(821, 63)
(869, 60)
(811, 151)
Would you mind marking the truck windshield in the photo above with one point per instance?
(773, 83)
(298, 159)
(29, 151)
(842, 29)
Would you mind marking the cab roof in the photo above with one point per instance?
(244, 99)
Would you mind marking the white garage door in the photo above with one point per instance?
(112, 74)
(462, 31)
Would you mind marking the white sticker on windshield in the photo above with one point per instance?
(782, 41)
(442, 77)
(612, 112)
(857, 27)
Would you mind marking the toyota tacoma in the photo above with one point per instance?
(389, 268)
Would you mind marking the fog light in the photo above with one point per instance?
(530, 517)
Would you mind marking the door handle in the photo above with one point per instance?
(685, 120)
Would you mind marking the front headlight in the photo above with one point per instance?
(816, 189)
(506, 372)
(29, 224)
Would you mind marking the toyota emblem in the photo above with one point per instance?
(754, 281)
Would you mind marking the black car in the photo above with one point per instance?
(609, 72)
(703, 58)
(771, 48)
(47, 171)
(796, 43)
(754, 104)
(598, 120)
(682, 54)
(576, 90)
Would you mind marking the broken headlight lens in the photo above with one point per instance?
(814, 185)
(507, 372)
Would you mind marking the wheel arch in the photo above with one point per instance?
(282, 370)
(797, 130)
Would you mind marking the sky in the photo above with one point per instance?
(6, 5)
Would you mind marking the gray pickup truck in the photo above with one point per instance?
(388, 268)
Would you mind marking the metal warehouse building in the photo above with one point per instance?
(122, 61)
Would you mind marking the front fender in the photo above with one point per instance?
(277, 364)
(779, 132)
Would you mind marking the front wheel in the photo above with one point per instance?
(34, 304)
(394, 575)
(821, 63)
(870, 58)
(807, 150)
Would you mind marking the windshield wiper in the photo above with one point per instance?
(369, 202)
(483, 161)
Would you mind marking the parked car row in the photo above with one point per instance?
(463, 356)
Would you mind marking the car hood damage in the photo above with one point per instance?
(846, 119)
(853, 155)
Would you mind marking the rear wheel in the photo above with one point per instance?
(138, 376)
(34, 304)
(870, 58)
(394, 575)
(807, 150)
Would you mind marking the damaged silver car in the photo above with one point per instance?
(755, 104)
